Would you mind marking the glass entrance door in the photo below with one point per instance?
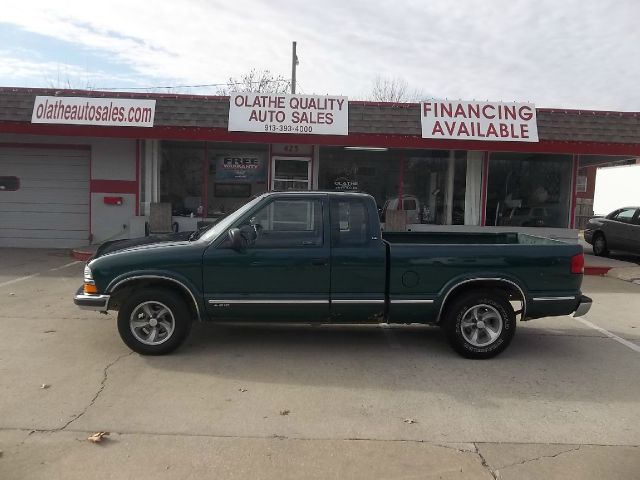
(291, 173)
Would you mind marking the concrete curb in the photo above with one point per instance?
(596, 270)
(82, 254)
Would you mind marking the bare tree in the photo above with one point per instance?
(394, 90)
(63, 80)
(389, 89)
(259, 81)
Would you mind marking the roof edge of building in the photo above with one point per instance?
(368, 103)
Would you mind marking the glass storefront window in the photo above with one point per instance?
(291, 174)
(376, 173)
(181, 173)
(235, 173)
(529, 190)
(431, 183)
(434, 186)
(212, 179)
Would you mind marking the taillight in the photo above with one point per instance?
(577, 263)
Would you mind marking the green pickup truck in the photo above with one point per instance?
(321, 257)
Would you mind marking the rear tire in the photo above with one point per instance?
(154, 321)
(480, 324)
(600, 245)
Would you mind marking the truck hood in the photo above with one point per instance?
(142, 243)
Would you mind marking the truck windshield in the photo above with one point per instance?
(226, 222)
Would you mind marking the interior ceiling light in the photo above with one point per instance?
(369, 149)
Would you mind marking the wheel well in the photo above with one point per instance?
(121, 292)
(511, 291)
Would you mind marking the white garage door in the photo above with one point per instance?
(44, 198)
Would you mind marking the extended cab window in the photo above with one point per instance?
(288, 223)
(349, 223)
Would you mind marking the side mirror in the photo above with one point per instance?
(235, 238)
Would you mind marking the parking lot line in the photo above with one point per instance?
(626, 343)
(27, 277)
(70, 264)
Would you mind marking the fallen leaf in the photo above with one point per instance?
(49, 331)
(285, 412)
(44, 386)
(242, 389)
(410, 420)
(97, 437)
(12, 294)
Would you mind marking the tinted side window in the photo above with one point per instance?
(349, 223)
(625, 215)
(288, 223)
(9, 184)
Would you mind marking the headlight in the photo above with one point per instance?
(89, 284)
(88, 276)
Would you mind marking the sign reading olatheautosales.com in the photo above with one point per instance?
(493, 121)
(120, 112)
(281, 113)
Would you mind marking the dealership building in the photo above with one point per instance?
(84, 167)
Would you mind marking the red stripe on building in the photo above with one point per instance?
(353, 139)
(114, 186)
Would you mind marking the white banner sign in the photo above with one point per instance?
(282, 113)
(121, 112)
(493, 121)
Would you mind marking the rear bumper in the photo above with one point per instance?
(583, 306)
(97, 303)
(557, 306)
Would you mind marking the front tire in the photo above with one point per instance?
(154, 321)
(480, 324)
(600, 245)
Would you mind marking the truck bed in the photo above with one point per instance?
(425, 264)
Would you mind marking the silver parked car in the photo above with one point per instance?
(620, 230)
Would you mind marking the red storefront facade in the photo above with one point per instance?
(191, 159)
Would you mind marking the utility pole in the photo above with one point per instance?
(294, 63)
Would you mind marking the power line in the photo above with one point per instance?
(204, 85)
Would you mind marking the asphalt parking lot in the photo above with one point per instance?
(310, 402)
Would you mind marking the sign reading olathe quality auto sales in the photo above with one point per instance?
(120, 112)
(282, 113)
(493, 121)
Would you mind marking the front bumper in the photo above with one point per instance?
(588, 236)
(583, 306)
(98, 303)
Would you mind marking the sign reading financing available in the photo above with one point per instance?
(120, 112)
(281, 113)
(494, 121)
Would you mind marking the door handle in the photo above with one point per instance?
(319, 261)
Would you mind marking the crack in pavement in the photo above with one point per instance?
(103, 384)
(454, 445)
(540, 458)
(483, 460)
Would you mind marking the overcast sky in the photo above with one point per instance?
(554, 53)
